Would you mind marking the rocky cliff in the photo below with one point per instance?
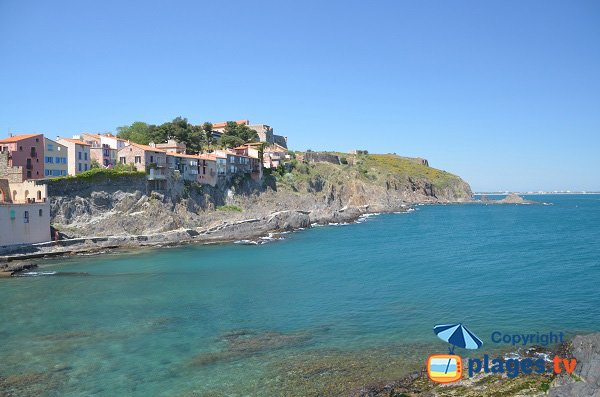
(322, 191)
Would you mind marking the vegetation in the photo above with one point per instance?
(236, 135)
(230, 208)
(100, 173)
(380, 169)
(391, 165)
(195, 137)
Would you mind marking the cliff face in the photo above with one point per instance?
(320, 192)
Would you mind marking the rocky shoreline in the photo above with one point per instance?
(583, 382)
(248, 229)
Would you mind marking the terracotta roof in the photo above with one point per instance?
(146, 147)
(107, 135)
(207, 156)
(77, 141)
(17, 138)
(224, 123)
(90, 134)
(187, 156)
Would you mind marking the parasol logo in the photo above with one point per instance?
(447, 368)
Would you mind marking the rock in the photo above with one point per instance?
(586, 382)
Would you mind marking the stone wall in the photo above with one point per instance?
(321, 157)
(13, 174)
(280, 140)
(265, 132)
(84, 187)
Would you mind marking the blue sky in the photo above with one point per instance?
(504, 93)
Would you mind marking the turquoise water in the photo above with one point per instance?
(301, 314)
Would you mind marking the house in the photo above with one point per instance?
(78, 159)
(171, 147)
(185, 164)
(274, 155)
(24, 208)
(105, 139)
(234, 163)
(26, 151)
(145, 159)
(221, 163)
(207, 169)
(252, 151)
(55, 159)
(103, 148)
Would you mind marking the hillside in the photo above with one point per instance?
(109, 209)
(327, 192)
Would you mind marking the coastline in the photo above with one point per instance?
(246, 231)
(250, 229)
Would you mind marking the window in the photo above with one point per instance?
(151, 159)
(47, 172)
(28, 174)
(64, 173)
(26, 217)
(39, 195)
(41, 212)
(64, 160)
(85, 166)
(85, 156)
(138, 159)
(122, 160)
(79, 166)
(48, 160)
(50, 147)
(57, 160)
(79, 155)
(20, 148)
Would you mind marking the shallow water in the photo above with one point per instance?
(326, 309)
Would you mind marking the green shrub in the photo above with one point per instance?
(230, 208)
(99, 173)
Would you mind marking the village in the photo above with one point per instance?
(29, 161)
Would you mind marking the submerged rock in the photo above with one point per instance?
(243, 343)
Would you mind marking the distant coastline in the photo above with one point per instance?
(540, 193)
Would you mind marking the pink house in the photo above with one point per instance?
(26, 151)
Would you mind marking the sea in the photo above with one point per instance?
(320, 311)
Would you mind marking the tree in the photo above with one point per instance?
(208, 133)
(179, 129)
(230, 141)
(241, 133)
(138, 132)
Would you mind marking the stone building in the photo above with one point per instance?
(25, 151)
(143, 157)
(171, 147)
(24, 207)
(264, 131)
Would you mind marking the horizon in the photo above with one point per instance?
(504, 95)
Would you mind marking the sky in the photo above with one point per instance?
(505, 94)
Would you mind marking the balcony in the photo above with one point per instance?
(155, 174)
